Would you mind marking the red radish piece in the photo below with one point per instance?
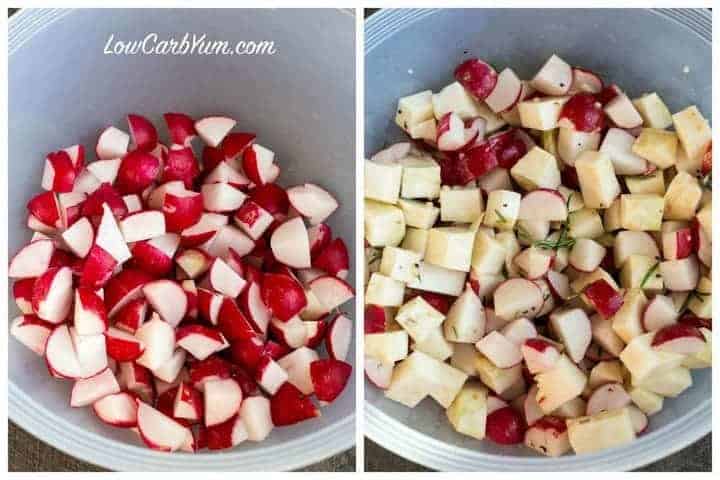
(554, 78)
(193, 262)
(225, 280)
(548, 436)
(495, 403)
(297, 365)
(209, 304)
(247, 352)
(90, 317)
(212, 130)
(32, 260)
(678, 244)
(329, 378)
(255, 414)
(679, 338)
(257, 163)
(531, 408)
(87, 391)
(224, 173)
(506, 93)
(573, 328)
(212, 368)
(180, 164)
(44, 208)
(659, 313)
(331, 291)
(499, 350)
(272, 198)
(227, 238)
(222, 400)
(312, 202)
(99, 265)
(253, 219)
(143, 132)
(290, 244)
(582, 112)
(53, 294)
(505, 426)
(32, 332)
(22, 292)
(283, 295)
(319, 236)
(289, 406)
(235, 144)
(59, 173)
(200, 341)
(70, 205)
(269, 375)
(79, 237)
(136, 379)
(333, 259)
(604, 298)
(315, 332)
(118, 410)
(123, 288)
(585, 81)
(379, 374)
(478, 77)
(339, 336)
(155, 256)
(559, 284)
(539, 355)
(292, 332)
(104, 194)
(232, 322)
(181, 128)
(159, 431)
(60, 354)
(112, 143)
(606, 397)
(188, 403)
(168, 299)
(170, 370)
(221, 197)
(143, 226)
(452, 134)
(77, 156)
(543, 205)
(211, 158)
(638, 419)
(158, 337)
(622, 112)
(375, 319)
(228, 434)
(252, 304)
(110, 238)
(131, 316)
(137, 171)
(509, 146)
(154, 197)
(123, 346)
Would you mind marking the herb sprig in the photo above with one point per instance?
(649, 274)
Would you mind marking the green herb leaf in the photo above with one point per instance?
(502, 217)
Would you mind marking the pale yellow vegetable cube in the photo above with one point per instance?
(488, 254)
(611, 217)
(454, 98)
(693, 131)
(598, 182)
(419, 214)
(382, 181)
(637, 268)
(435, 345)
(502, 209)
(644, 361)
(646, 400)
(585, 223)
(421, 373)
(414, 109)
(387, 347)
(468, 411)
(433, 278)
(682, 197)
(499, 380)
(541, 113)
(641, 211)
(416, 240)
(426, 130)
(627, 322)
(701, 305)
(384, 224)
(652, 183)
(450, 247)
(653, 110)
(668, 383)
(384, 291)
(607, 429)
(418, 318)
(420, 178)
(462, 205)
(657, 146)
(536, 169)
(400, 264)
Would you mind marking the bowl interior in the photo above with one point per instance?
(299, 101)
(407, 52)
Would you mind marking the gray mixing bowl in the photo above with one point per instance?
(300, 102)
(642, 50)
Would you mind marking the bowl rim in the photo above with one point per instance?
(433, 453)
(112, 454)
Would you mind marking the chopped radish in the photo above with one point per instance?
(32, 332)
(478, 77)
(253, 219)
(452, 134)
(222, 400)
(181, 128)
(329, 378)
(112, 143)
(604, 298)
(585, 81)
(505, 426)
(339, 337)
(312, 202)
(32, 260)
(290, 244)
(379, 373)
(506, 92)
(159, 431)
(543, 204)
(221, 197)
(118, 410)
(331, 291)
(212, 130)
(52, 296)
(200, 341)
(289, 406)
(87, 391)
(143, 226)
(168, 299)
(554, 78)
(59, 174)
(679, 338)
(79, 237)
(258, 164)
(607, 397)
(143, 132)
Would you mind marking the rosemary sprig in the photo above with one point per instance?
(562, 242)
(692, 294)
(706, 182)
(649, 274)
(501, 216)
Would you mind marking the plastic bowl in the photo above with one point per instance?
(299, 101)
(411, 50)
